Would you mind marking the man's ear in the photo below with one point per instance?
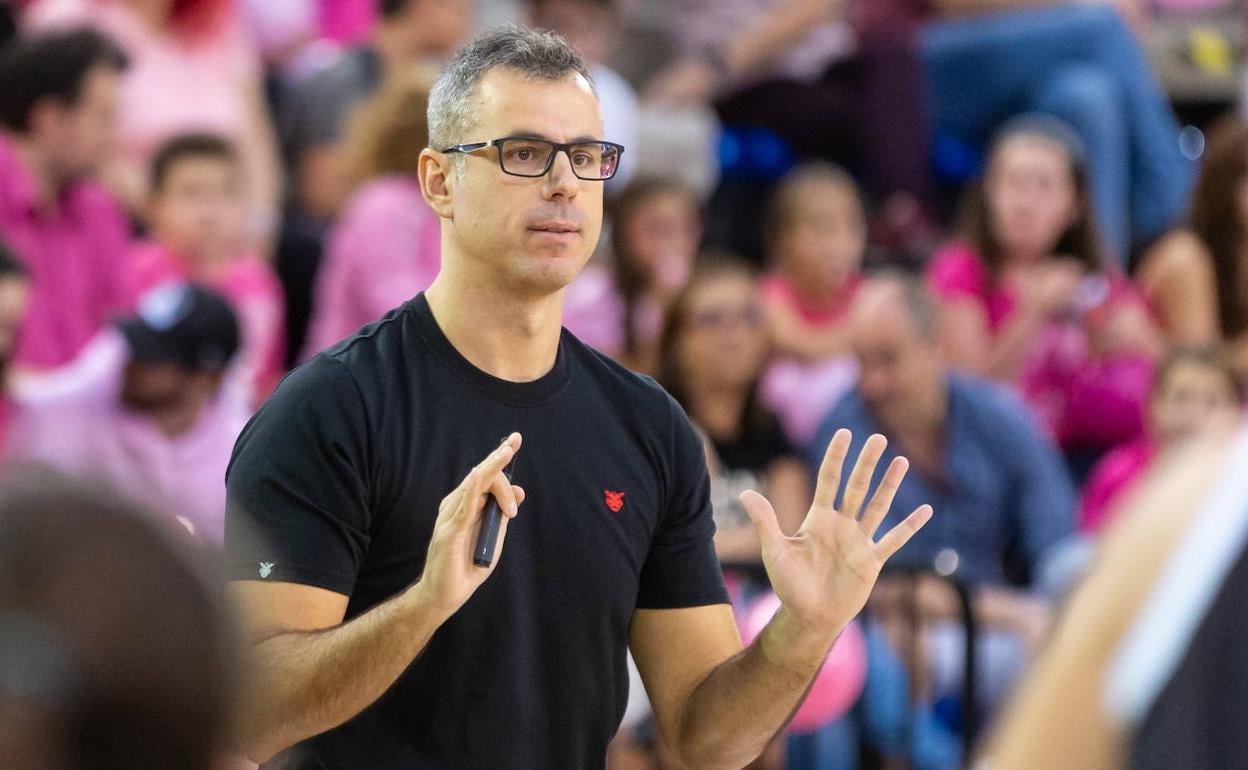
(437, 173)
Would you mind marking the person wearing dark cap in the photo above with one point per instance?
(148, 409)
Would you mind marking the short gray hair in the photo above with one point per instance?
(533, 53)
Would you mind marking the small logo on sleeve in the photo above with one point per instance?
(614, 500)
(266, 569)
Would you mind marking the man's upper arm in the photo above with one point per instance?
(672, 671)
(267, 609)
(298, 487)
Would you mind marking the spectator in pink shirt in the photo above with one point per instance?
(1196, 389)
(194, 68)
(198, 234)
(147, 411)
(14, 297)
(816, 240)
(386, 247)
(1030, 300)
(58, 103)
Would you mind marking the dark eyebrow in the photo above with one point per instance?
(526, 134)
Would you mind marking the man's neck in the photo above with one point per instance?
(501, 333)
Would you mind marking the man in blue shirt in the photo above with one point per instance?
(975, 453)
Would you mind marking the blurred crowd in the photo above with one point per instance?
(1011, 237)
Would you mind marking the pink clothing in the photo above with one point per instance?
(594, 311)
(830, 311)
(172, 85)
(347, 21)
(78, 426)
(1110, 478)
(802, 393)
(74, 253)
(1086, 400)
(253, 290)
(384, 250)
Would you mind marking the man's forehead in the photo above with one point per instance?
(510, 103)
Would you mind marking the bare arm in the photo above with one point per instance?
(264, 169)
(775, 32)
(717, 705)
(1177, 276)
(312, 672)
(975, 7)
(1057, 718)
(794, 338)
(967, 344)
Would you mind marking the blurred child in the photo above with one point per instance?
(816, 240)
(1196, 388)
(1030, 298)
(656, 228)
(198, 219)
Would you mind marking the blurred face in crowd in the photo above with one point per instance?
(79, 137)
(723, 342)
(151, 387)
(663, 234)
(435, 27)
(529, 235)
(587, 24)
(900, 375)
(1032, 195)
(1193, 397)
(198, 212)
(14, 296)
(821, 243)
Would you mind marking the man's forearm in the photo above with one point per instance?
(309, 682)
(744, 702)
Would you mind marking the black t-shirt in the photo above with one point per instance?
(1197, 721)
(756, 448)
(341, 474)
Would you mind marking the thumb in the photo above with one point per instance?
(764, 518)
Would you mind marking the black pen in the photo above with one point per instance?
(491, 520)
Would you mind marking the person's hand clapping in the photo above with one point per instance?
(450, 577)
(824, 573)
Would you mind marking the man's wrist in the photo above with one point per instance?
(796, 644)
(420, 608)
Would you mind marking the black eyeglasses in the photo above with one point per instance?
(529, 157)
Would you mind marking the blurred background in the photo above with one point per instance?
(1011, 236)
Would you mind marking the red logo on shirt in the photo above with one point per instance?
(615, 500)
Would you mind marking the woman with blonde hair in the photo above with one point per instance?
(385, 247)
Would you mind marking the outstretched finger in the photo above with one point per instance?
(860, 477)
(882, 500)
(899, 535)
(828, 483)
(764, 517)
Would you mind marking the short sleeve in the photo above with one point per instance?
(956, 272)
(682, 569)
(297, 487)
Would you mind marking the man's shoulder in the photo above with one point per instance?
(993, 403)
(641, 392)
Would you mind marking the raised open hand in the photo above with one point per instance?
(824, 573)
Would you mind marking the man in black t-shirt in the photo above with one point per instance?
(377, 642)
